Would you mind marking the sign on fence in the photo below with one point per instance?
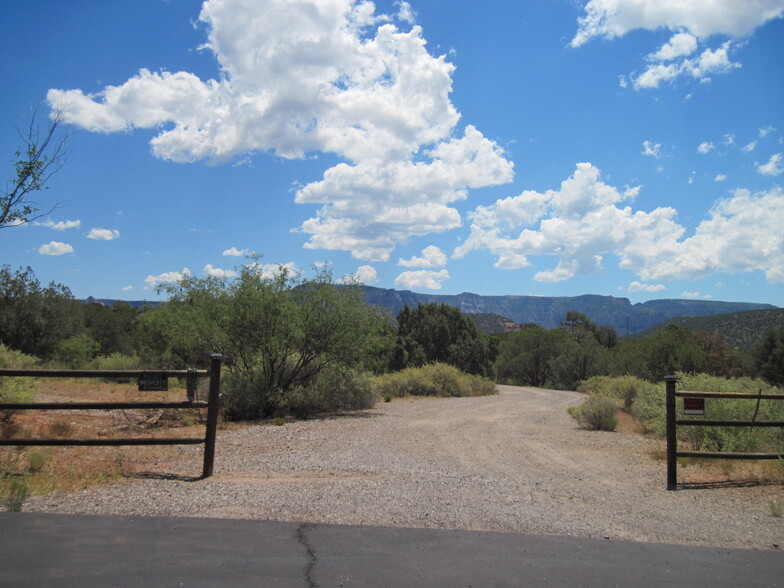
(694, 406)
(153, 382)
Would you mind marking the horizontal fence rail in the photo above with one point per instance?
(673, 422)
(212, 405)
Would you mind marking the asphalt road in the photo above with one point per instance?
(39, 549)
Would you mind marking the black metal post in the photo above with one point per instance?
(672, 442)
(212, 414)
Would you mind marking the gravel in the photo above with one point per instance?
(515, 462)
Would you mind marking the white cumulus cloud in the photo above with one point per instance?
(651, 149)
(432, 256)
(365, 274)
(774, 167)
(297, 78)
(705, 147)
(216, 272)
(55, 248)
(61, 225)
(103, 234)
(234, 252)
(642, 287)
(166, 277)
(270, 271)
(426, 279)
(693, 23)
(587, 220)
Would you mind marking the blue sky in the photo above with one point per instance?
(632, 148)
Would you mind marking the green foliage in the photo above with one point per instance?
(438, 333)
(576, 359)
(741, 439)
(432, 380)
(16, 493)
(245, 396)
(597, 413)
(278, 335)
(34, 318)
(741, 330)
(331, 391)
(292, 345)
(624, 389)
(39, 157)
(76, 352)
(112, 327)
(37, 459)
(16, 389)
(524, 357)
(769, 357)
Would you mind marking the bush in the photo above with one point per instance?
(597, 413)
(16, 494)
(245, 397)
(76, 352)
(16, 389)
(436, 379)
(330, 391)
(623, 389)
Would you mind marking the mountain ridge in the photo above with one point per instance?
(549, 311)
(546, 311)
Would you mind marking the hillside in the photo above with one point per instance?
(492, 323)
(740, 329)
(548, 312)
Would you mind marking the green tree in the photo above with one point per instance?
(769, 357)
(439, 333)
(524, 356)
(34, 318)
(576, 359)
(278, 334)
(40, 156)
(112, 327)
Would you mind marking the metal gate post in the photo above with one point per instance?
(212, 414)
(672, 441)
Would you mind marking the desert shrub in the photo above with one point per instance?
(436, 379)
(16, 389)
(76, 352)
(649, 408)
(330, 391)
(37, 460)
(246, 397)
(597, 413)
(623, 389)
(16, 494)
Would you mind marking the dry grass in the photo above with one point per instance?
(65, 469)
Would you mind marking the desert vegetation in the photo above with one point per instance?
(297, 347)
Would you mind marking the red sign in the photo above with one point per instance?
(694, 406)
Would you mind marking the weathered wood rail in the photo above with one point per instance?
(212, 405)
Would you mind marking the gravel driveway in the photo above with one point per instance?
(514, 462)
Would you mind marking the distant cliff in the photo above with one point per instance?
(548, 311)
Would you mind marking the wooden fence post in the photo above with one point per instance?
(212, 414)
(672, 441)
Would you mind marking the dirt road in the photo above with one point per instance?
(513, 462)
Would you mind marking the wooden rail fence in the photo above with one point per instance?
(673, 422)
(212, 405)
